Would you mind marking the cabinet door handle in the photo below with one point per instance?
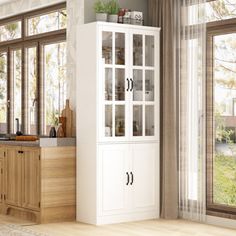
(132, 85)
(132, 178)
(127, 85)
(127, 178)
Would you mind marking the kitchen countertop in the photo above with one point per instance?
(42, 142)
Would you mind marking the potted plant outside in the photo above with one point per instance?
(100, 9)
(113, 10)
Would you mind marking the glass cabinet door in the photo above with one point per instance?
(143, 86)
(115, 94)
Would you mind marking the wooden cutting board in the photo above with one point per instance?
(26, 138)
(68, 114)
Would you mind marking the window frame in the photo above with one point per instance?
(213, 29)
(25, 42)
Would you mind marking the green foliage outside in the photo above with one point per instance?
(224, 187)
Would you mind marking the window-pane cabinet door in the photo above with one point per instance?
(114, 70)
(144, 85)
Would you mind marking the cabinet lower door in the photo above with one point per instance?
(13, 176)
(31, 178)
(1, 180)
(113, 179)
(145, 194)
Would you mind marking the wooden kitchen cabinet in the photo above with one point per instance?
(1, 181)
(30, 164)
(12, 172)
(38, 183)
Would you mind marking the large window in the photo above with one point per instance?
(33, 70)
(221, 108)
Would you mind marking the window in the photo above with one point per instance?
(33, 70)
(221, 107)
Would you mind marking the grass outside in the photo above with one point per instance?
(224, 179)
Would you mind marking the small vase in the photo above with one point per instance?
(113, 18)
(53, 133)
(101, 17)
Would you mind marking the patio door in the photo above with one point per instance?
(221, 122)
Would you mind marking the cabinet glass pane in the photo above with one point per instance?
(107, 47)
(138, 85)
(137, 120)
(149, 121)
(137, 50)
(120, 85)
(120, 120)
(108, 84)
(149, 85)
(149, 50)
(120, 48)
(3, 92)
(108, 121)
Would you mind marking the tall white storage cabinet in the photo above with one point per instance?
(117, 123)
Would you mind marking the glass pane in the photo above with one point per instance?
(31, 76)
(107, 47)
(55, 86)
(138, 85)
(10, 31)
(120, 85)
(17, 87)
(149, 120)
(108, 121)
(3, 92)
(120, 48)
(137, 50)
(120, 120)
(224, 161)
(149, 85)
(220, 10)
(108, 84)
(48, 22)
(137, 120)
(149, 50)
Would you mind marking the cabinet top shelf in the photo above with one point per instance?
(130, 26)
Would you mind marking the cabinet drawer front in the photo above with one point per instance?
(2, 152)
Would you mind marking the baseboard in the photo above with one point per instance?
(115, 219)
(219, 221)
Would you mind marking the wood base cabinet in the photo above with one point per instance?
(117, 123)
(38, 183)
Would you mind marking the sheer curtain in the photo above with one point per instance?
(183, 39)
(192, 111)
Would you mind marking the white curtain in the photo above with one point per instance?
(192, 74)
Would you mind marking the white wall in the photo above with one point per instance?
(139, 5)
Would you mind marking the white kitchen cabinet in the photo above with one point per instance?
(128, 179)
(117, 123)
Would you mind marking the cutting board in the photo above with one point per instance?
(26, 138)
(68, 114)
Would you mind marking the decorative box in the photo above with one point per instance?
(136, 18)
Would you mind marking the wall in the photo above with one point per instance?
(139, 5)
